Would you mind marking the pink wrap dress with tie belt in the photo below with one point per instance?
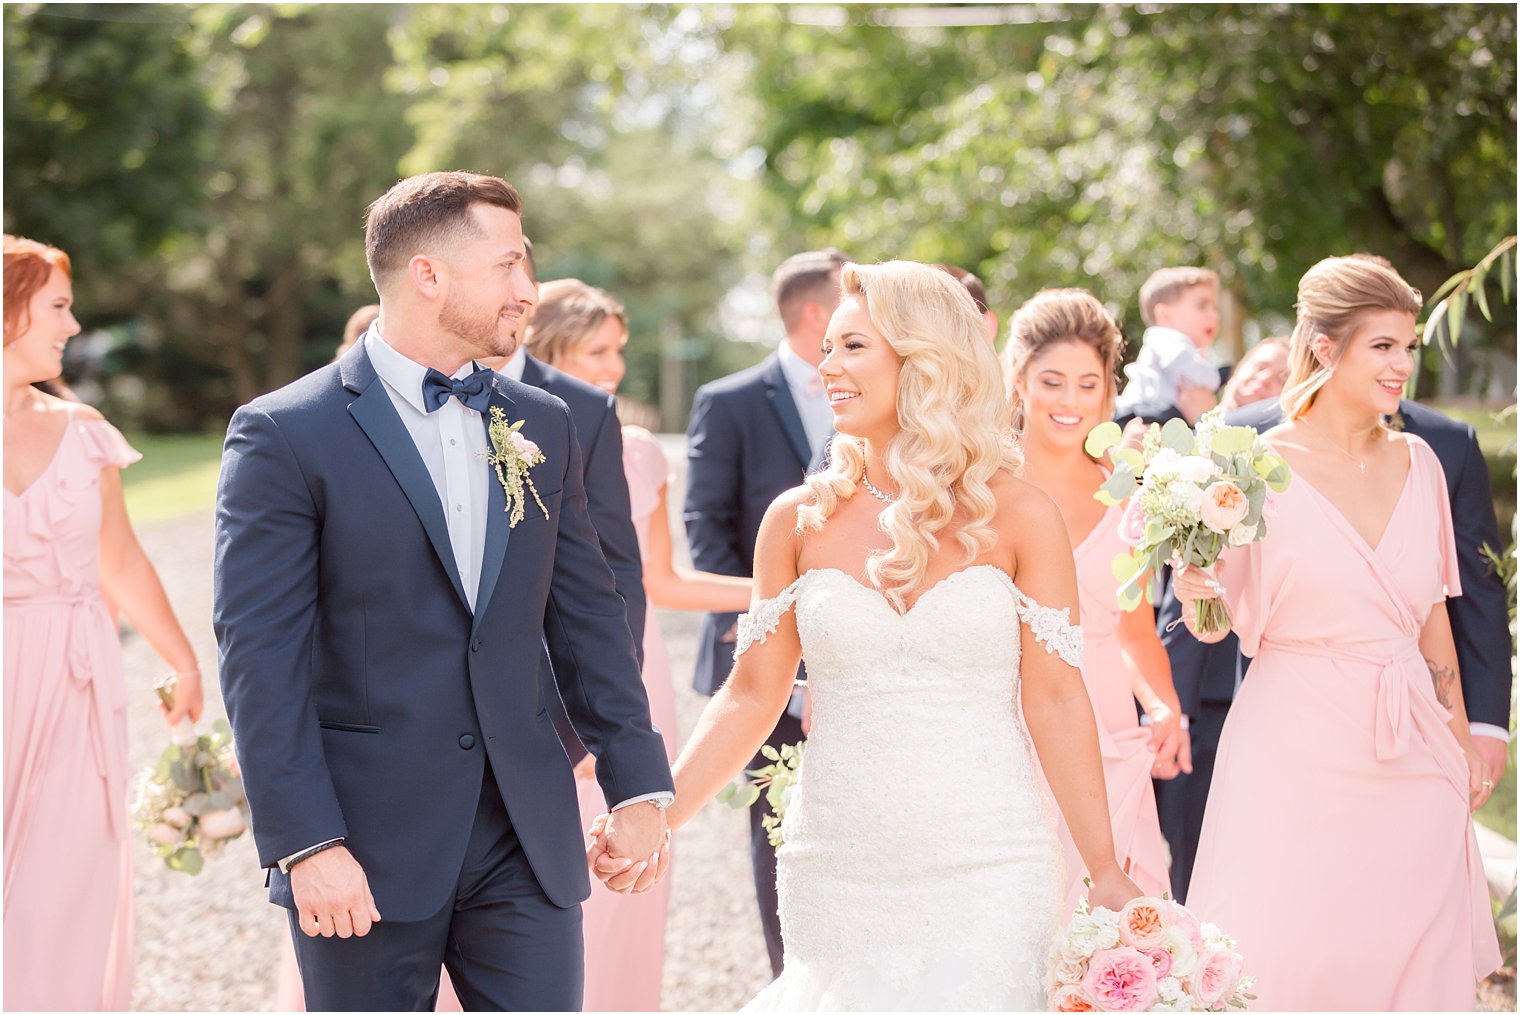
(1337, 846)
(68, 880)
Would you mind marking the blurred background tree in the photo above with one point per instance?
(208, 166)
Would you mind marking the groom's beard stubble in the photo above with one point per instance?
(492, 333)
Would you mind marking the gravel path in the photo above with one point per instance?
(211, 942)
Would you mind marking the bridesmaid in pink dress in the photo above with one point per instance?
(581, 331)
(1337, 847)
(1061, 361)
(68, 545)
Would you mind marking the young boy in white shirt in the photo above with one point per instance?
(1180, 307)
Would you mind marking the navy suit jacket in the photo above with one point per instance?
(746, 445)
(600, 434)
(364, 695)
(1479, 617)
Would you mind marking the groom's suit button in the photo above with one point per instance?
(475, 645)
(467, 741)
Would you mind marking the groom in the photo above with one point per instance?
(380, 615)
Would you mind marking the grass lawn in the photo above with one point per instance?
(177, 475)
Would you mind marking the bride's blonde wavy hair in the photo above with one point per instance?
(954, 419)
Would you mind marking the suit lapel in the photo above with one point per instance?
(375, 414)
(779, 394)
(498, 532)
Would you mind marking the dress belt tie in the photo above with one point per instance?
(90, 670)
(1405, 700)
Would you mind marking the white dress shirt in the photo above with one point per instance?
(512, 369)
(447, 439)
(812, 403)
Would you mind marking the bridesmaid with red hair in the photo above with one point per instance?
(68, 545)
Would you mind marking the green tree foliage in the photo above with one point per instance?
(107, 129)
(1096, 144)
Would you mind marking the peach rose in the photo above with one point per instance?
(1070, 998)
(222, 824)
(163, 835)
(1121, 979)
(1224, 505)
(1211, 978)
(1142, 923)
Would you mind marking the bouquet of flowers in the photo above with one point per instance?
(191, 803)
(1152, 955)
(777, 780)
(1191, 494)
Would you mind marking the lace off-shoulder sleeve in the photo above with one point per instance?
(1052, 628)
(763, 618)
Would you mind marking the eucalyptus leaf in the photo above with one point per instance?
(187, 859)
(1117, 487)
(1103, 436)
(1130, 458)
(1232, 440)
(197, 804)
(1125, 566)
(1177, 435)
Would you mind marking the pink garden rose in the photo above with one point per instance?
(1161, 959)
(1142, 923)
(176, 816)
(163, 835)
(523, 446)
(1121, 979)
(1224, 505)
(1212, 978)
(1132, 523)
(1183, 917)
(1070, 998)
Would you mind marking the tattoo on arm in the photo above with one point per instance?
(1444, 678)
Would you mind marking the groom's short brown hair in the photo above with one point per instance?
(421, 212)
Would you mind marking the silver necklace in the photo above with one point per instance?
(1361, 465)
(871, 488)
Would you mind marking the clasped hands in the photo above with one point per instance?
(629, 848)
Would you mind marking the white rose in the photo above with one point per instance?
(1212, 935)
(1184, 956)
(1242, 534)
(183, 733)
(1195, 469)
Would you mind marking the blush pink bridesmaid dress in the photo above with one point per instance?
(1337, 847)
(68, 874)
(1123, 743)
(625, 934)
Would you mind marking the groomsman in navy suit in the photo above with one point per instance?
(753, 435)
(1207, 676)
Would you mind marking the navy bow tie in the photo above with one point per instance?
(474, 391)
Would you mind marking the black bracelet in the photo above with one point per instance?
(313, 851)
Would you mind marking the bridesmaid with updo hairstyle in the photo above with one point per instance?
(68, 549)
(1060, 366)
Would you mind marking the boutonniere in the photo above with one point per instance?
(1396, 422)
(512, 455)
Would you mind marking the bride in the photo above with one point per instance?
(931, 593)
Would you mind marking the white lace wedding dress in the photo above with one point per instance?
(920, 868)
